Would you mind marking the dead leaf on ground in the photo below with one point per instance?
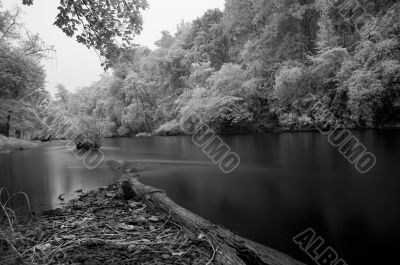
(110, 194)
(68, 237)
(42, 247)
(126, 227)
(134, 204)
(154, 219)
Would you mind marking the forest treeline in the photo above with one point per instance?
(257, 66)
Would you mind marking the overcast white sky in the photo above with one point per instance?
(76, 66)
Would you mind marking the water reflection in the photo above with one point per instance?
(44, 174)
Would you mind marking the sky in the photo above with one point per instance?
(76, 66)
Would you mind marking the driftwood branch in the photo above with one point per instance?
(229, 248)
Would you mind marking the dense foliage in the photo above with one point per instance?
(256, 66)
(22, 78)
(260, 64)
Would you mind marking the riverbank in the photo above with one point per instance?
(100, 227)
(9, 144)
(126, 223)
(277, 130)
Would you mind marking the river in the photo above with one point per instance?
(285, 184)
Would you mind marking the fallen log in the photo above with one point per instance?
(228, 247)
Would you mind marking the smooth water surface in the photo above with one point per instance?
(284, 184)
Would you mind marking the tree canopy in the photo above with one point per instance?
(108, 26)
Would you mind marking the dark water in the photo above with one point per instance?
(285, 184)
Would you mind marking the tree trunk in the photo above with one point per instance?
(229, 248)
(8, 124)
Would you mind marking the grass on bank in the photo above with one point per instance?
(13, 144)
(7, 234)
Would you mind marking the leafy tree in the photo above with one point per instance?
(9, 26)
(62, 94)
(169, 128)
(365, 97)
(136, 118)
(238, 24)
(166, 41)
(326, 66)
(229, 80)
(200, 73)
(20, 78)
(101, 24)
(93, 130)
(19, 75)
(230, 115)
(209, 44)
(176, 65)
(291, 83)
(19, 116)
(337, 28)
